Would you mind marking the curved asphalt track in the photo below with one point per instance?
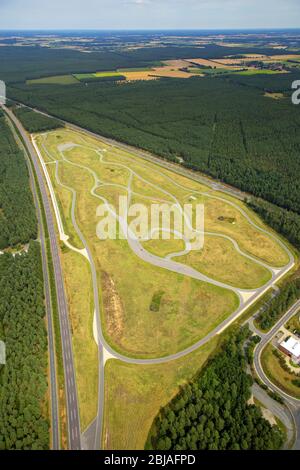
(102, 342)
(172, 266)
(292, 402)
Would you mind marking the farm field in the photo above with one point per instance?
(236, 254)
(55, 80)
(179, 68)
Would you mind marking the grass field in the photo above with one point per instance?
(277, 374)
(55, 80)
(189, 309)
(81, 308)
(250, 72)
(135, 393)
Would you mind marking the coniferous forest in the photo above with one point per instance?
(212, 412)
(225, 127)
(23, 382)
(23, 379)
(17, 215)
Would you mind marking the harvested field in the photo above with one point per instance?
(209, 63)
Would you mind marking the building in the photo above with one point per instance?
(291, 347)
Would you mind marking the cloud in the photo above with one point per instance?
(139, 14)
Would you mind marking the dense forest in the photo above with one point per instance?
(23, 383)
(212, 413)
(35, 122)
(17, 64)
(23, 379)
(283, 221)
(288, 295)
(229, 131)
(17, 215)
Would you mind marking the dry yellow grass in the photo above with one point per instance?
(274, 96)
(79, 291)
(134, 395)
(210, 63)
(134, 76)
(218, 253)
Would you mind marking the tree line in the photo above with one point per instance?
(23, 379)
(23, 383)
(288, 295)
(17, 214)
(212, 412)
(231, 132)
(36, 122)
(284, 221)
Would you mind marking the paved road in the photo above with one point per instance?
(74, 432)
(292, 403)
(281, 412)
(55, 428)
(199, 178)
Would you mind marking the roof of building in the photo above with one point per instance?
(292, 346)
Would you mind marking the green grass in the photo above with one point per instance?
(277, 374)
(97, 75)
(135, 393)
(189, 309)
(156, 301)
(55, 80)
(259, 72)
(79, 293)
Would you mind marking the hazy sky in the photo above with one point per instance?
(135, 14)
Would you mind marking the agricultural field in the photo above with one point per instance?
(55, 80)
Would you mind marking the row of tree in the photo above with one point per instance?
(283, 221)
(212, 412)
(17, 215)
(217, 126)
(288, 295)
(23, 379)
(36, 122)
(23, 382)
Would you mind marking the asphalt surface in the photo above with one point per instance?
(292, 403)
(55, 427)
(281, 412)
(74, 432)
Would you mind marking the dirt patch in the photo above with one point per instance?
(268, 415)
(113, 308)
(274, 96)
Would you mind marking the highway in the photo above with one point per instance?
(55, 425)
(74, 432)
(292, 403)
